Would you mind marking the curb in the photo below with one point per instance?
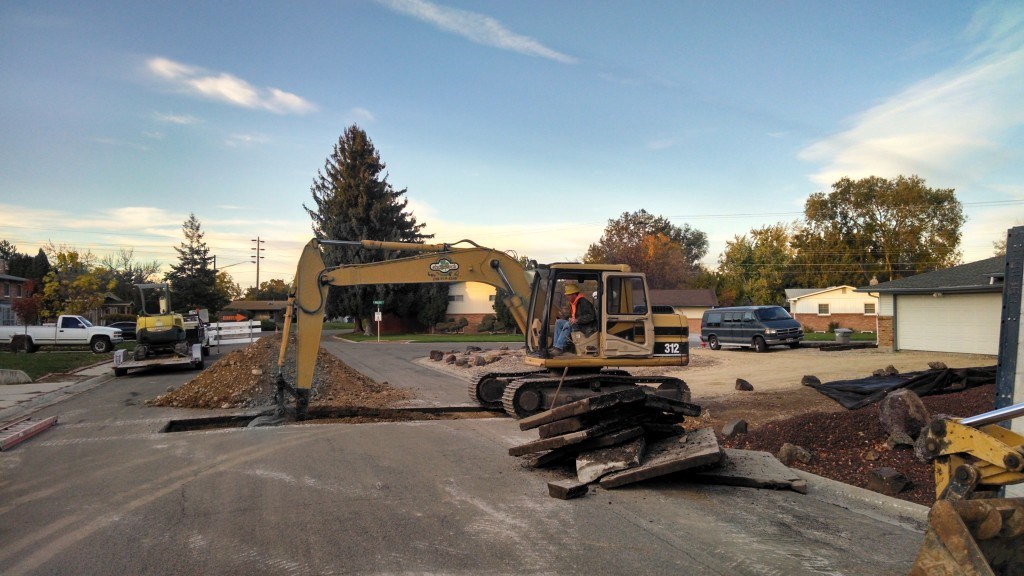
(872, 504)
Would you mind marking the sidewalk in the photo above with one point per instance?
(21, 399)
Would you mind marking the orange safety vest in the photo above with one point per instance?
(572, 305)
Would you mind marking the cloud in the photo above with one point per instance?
(952, 124)
(362, 114)
(236, 140)
(183, 119)
(226, 88)
(475, 27)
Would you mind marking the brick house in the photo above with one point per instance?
(11, 288)
(691, 303)
(840, 306)
(472, 301)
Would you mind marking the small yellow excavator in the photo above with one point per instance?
(971, 531)
(631, 333)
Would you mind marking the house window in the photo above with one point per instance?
(491, 298)
(17, 290)
(455, 297)
(869, 308)
(823, 310)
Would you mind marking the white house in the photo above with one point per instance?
(472, 301)
(838, 306)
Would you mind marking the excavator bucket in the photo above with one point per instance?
(973, 538)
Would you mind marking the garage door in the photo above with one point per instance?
(967, 323)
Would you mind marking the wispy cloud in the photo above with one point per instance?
(236, 140)
(226, 88)
(183, 119)
(951, 124)
(475, 27)
(363, 115)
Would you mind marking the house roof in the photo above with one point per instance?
(13, 278)
(699, 297)
(981, 276)
(257, 305)
(798, 293)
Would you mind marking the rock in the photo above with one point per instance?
(810, 380)
(871, 456)
(471, 349)
(449, 359)
(225, 405)
(790, 453)
(897, 439)
(887, 481)
(891, 370)
(903, 414)
(879, 372)
(436, 355)
(503, 348)
(734, 428)
(938, 366)
(743, 385)
(479, 360)
(171, 389)
(257, 372)
(462, 361)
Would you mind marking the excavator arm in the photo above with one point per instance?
(436, 263)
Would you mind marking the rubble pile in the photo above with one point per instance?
(246, 377)
(623, 437)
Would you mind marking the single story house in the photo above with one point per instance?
(258, 309)
(691, 303)
(816, 309)
(472, 301)
(958, 309)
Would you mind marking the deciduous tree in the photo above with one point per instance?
(669, 255)
(756, 270)
(889, 228)
(71, 286)
(124, 272)
(353, 200)
(274, 289)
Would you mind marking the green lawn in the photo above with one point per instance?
(831, 337)
(438, 337)
(52, 360)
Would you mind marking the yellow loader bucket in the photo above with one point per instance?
(973, 538)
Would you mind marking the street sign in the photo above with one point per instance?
(378, 302)
(377, 317)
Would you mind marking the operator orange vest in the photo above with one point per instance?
(572, 305)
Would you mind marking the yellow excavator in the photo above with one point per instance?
(971, 531)
(630, 332)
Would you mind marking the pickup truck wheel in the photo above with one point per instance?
(760, 345)
(100, 345)
(713, 343)
(118, 372)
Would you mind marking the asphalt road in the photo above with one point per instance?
(105, 492)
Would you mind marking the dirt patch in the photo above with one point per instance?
(246, 378)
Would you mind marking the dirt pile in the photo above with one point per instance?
(846, 445)
(246, 377)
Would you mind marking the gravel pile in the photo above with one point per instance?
(246, 378)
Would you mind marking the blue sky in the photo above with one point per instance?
(521, 125)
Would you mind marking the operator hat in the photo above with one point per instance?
(571, 289)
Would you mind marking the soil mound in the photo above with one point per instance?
(246, 377)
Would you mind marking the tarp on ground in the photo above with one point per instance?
(854, 394)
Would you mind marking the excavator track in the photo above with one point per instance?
(488, 388)
(529, 396)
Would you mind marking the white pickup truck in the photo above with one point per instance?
(67, 331)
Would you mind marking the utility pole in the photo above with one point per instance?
(257, 249)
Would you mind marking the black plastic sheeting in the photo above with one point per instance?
(854, 394)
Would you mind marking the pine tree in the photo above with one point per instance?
(354, 201)
(192, 280)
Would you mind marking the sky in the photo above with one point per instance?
(524, 126)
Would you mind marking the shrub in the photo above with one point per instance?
(487, 323)
(832, 326)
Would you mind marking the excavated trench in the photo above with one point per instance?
(335, 415)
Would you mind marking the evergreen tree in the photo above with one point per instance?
(192, 280)
(354, 201)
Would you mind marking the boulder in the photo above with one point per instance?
(734, 428)
(449, 359)
(436, 355)
(887, 481)
(810, 380)
(743, 385)
(938, 366)
(903, 415)
(790, 453)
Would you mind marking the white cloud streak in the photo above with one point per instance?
(226, 88)
(949, 125)
(475, 27)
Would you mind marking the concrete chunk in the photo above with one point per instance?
(670, 455)
(887, 481)
(587, 405)
(752, 469)
(734, 428)
(593, 464)
(599, 429)
(566, 489)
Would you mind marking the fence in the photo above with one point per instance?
(224, 333)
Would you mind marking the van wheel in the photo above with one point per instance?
(713, 343)
(759, 344)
